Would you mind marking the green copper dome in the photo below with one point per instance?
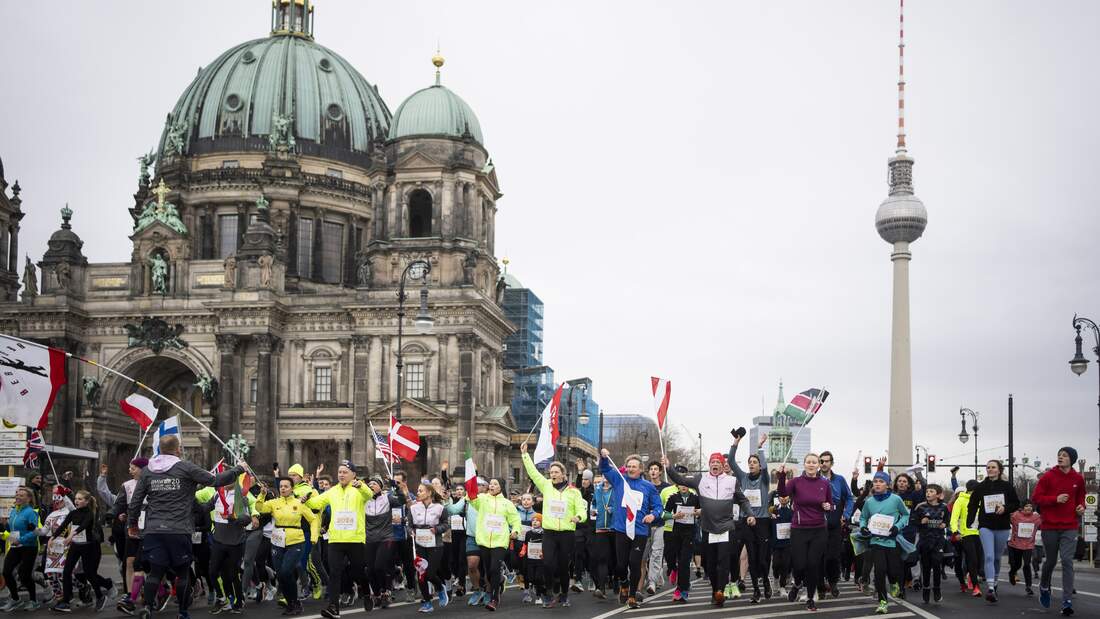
(326, 105)
(435, 112)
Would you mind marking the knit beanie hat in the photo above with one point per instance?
(1072, 453)
(296, 469)
(587, 475)
(716, 456)
(144, 462)
(884, 476)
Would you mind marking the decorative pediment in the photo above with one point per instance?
(158, 232)
(410, 410)
(417, 159)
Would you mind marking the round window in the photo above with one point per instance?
(248, 57)
(325, 64)
(233, 103)
(334, 112)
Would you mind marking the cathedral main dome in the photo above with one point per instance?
(286, 79)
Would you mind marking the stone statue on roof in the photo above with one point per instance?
(162, 211)
(30, 280)
(144, 162)
(175, 140)
(159, 268)
(281, 137)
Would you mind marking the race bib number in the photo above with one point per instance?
(754, 497)
(688, 514)
(534, 550)
(55, 556)
(141, 520)
(425, 538)
(555, 508)
(196, 537)
(1025, 530)
(494, 524)
(81, 538)
(783, 530)
(458, 523)
(880, 524)
(343, 520)
(278, 538)
(718, 538)
(395, 515)
(992, 501)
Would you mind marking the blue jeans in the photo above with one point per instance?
(285, 561)
(994, 542)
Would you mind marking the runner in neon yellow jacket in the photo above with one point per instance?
(497, 525)
(347, 532)
(563, 508)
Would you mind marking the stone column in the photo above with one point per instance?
(452, 369)
(387, 391)
(345, 372)
(228, 417)
(447, 200)
(264, 449)
(466, 379)
(360, 398)
(439, 390)
(286, 456)
(374, 376)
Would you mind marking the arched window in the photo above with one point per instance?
(420, 213)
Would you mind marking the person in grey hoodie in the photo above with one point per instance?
(755, 485)
(167, 488)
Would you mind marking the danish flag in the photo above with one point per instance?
(404, 440)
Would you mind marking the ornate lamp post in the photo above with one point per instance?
(417, 269)
(1079, 363)
(963, 436)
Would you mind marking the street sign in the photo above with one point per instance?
(1090, 500)
(1090, 533)
(8, 485)
(1089, 517)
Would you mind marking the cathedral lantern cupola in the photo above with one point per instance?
(294, 17)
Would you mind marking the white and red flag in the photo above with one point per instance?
(471, 475)
(550, 430)
(632, 502)
(662, 392)
(140, 408)
(404, 440)
(30, 377)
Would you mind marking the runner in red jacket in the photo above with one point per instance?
(1060, 495)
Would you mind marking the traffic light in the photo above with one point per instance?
(867, 464)
(931, 463)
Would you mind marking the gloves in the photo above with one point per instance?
(893, 531)
(865, 532)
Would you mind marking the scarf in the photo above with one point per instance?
(881, 497)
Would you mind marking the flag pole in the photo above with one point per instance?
(150, 390)
(49, 457)
(144, 434)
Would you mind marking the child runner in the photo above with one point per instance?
(1025, 526)
(881, 519)
(931, 518)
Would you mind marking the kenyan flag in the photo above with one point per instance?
(471, 475)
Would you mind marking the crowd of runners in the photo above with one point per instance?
(183, 534)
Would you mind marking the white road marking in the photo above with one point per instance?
(782, 613)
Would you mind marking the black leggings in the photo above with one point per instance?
(491, 560)
(971, 547)
(678, 553)
(349, 557)
(807, 555)
(716, 557)
(225, 561)
(378, 561)
(154, 577)
(628, 560)
(781, 564)
(201, 552)
(887, 564)
(557, 551)
(1020, 558)
(757, 540)
(434, 556)
(600, 553)
(834, 552)
(931, 560)
(21, 557)
(88, 555)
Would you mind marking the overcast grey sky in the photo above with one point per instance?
(690, 187)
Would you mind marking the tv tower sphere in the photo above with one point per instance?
(901, 217)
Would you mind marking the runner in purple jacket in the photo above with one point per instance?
(811, 496)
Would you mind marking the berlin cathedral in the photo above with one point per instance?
(271, 229)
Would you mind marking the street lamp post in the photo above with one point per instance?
(963, 437)
(1079, 363)
(918, 449)
(417, 269)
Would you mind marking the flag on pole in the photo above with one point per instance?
(225, 507)
(404, 440)
(662, 391)
(382, 447)
(632, 501)
(806, 404)
(471, 475)
(140, 408)
(166, 427)
(550, 431)
(36, 444)
(30, 377)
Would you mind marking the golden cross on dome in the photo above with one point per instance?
(161, 191)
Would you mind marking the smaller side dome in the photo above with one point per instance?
(435, 112)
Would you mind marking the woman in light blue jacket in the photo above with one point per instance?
(22, 550)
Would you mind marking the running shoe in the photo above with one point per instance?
(331, 611)
(316, 591)
(767, 588)
(719, 599)
(676, 595)
(492, 605)
(834, 590)
(937, 594)
(444, 599)
(539, 601)
(219, 606)
(526, 596)
(1067, 608)
(895, 590)
(976, 591)
(564, 601)
(792, 595)
(1044, 597)
(549, 602)
(144, 613)
(61, 607)
(991, 595)
(599, 594)
(684, 596)
(10, 605)
(384, 600)
(32, 606)
(650, 589)
(236, 609)
(632, 602)
(963, 588)
(624, 593)
(735, 591)
(810, 605)
(577, 587)
(100, 602)
(1029, 591)
(883, 608)
(124, 606)
(426, 607)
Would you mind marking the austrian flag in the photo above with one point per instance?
(404, 440)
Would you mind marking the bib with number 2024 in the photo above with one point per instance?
(717, 538)
(880, 524)
(494, 523)
(343, 520)
(1025, 530)
(782, 530)
(458, 523)
(753, 496)
(425, 538)
(555, 508)
(534, 550)
(991, 501)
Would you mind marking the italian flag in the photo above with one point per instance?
(471, 475)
